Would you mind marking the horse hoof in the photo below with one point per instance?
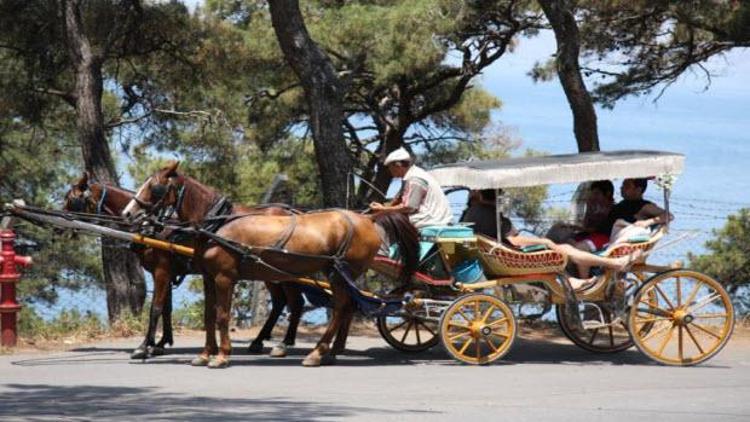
(218, 363)
(311, 362)
(255, 348)
(139, 354)
(201, 360)
(278, 351)
(157, 351)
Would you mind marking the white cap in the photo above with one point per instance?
(400, 154)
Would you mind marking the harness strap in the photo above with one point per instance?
(284, 239)
(100, 204)
(344, 246)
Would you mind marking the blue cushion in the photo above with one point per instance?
(469, 271)
(446, 232)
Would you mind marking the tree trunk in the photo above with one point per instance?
(560, 14)
(324, 93)
(393, 139)
(123, 275)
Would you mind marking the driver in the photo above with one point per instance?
(420, 197)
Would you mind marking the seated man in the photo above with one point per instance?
(481, 212)
(634, 211)
(593, 235)
(420, 197)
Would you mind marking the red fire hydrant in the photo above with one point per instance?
(9, 263)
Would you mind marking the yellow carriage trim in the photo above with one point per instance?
(500, 260)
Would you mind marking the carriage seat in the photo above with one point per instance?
(643, 242)
(501, 260)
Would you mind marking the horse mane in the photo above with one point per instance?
(399, 228)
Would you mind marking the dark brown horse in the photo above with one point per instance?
(275, 248)
(97, 198)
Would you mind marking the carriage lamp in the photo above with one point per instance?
(9, 276)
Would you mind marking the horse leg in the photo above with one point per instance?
(209, 321)
(322, 349)
(346, 321)
(166, 321)
(340, 343)
(224, 286)
(295, 303)
(161, 279)
(277, 306)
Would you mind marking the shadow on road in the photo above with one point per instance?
(41, 401)
(525, 351)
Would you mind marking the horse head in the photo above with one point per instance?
(82, 195)
(160, 192)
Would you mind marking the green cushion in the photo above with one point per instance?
(533, 248)
(446, 232)
(639, 239)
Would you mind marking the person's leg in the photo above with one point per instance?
(586, 258)
(583, 269)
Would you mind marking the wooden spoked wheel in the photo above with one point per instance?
(408, 331)
(607, 339)
(478, 329)
(612, 338)
(690, 321)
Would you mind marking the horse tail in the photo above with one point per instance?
(401, 231)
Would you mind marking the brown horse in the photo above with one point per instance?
(275, 248)
(97, 198)
(165, 267)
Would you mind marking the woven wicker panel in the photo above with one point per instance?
(499, 260)
(628, 248)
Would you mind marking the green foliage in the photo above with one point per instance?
(190, 314)
(636, 47)
(60, 261)
(67, 324)
(727, 259)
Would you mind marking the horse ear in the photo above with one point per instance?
(83, 181)
(172, 168)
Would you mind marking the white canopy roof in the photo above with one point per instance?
(558, 169)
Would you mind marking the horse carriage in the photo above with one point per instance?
(675, 316)
(461, 289)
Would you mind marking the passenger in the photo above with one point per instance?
(594, 233)
(633, 212)
(510, 237)
(481, 212)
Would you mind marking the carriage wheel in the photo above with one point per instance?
(610, 339)
(478, 329)
(690, 322)
(409, 331)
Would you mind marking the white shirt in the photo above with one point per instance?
(434, 208)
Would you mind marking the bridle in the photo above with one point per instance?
(159, 192)
(86, 202)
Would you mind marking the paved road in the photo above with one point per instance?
(538, 380)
